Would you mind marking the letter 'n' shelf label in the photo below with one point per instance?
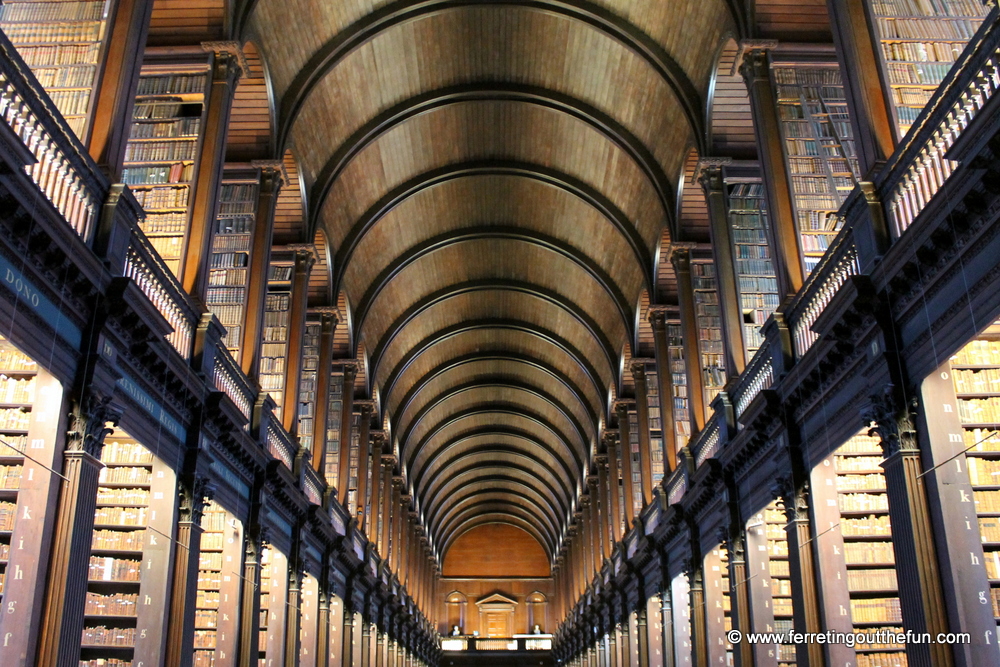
(27, 295)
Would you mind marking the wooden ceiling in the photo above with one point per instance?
(496, 184)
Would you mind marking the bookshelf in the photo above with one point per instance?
(975, 373)
(62, 43)
(355, 449)
(718, 608)
(277, 311)
(217, 602)
(160, 156)
(633, 451)
(707, 315)
(129, 556)
(273, 593)
(755, 278)
(682, 415)
(334, 407)
(226, 294)
(867, 547)
(307, 383)
(773, 521)
(819, 151)
(656, 453)
(920, 41)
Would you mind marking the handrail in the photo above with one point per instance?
(144, 266)
(838, 264)
(280, 444)
(758, 376)
(706, 444)
(229, 378)
(312, 486)
(63, 170)
(918, 168)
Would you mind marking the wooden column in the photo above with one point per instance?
(642, 411)
(395, 521)
(346, 412)
(607, 511)
(114, 97)
(323, 621)
(402, 560)
(665, 380)
(642, 634)
(734, 347)
(612, 648)
(364, 430)
(293, 615)
(783, 237)
(699, 625)
(249, 639)
(667, 625)
(329, 317)
(739, 595)
(857, 50)
(921, 595)
(385, 513)
(180, 627)
(227, 67)
(366, 642)
(66, 590)
(272, 178)
(680, 256)
(347, 638)
(625, 442)
(305, 256)
(624, 632)
(614, 503)
(371, 525)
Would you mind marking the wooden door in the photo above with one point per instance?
(496, 624)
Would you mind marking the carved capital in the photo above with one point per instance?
(710, 173)
(350, 369)
(193, 496)
(622, 407)
(328, 315)
(794, 502)
(891, 422)
(229, 59)
(609, 438)
(273, 176)
(755, 65)
(89, 424)
(365, 406)
(305, 255)
(638, 368)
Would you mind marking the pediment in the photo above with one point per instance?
(496, 600)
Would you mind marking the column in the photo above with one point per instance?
(699, 629)
(66, 592)
(347, 410)
(680, 256)
(597, 517)
(402, 559)
(377, 439)
(614, 505)
(114, 97)
(364, 429)
(305, 256)
(293, 617)
(783, 238)
(612, 648)
(921, 595)
(642, 410)
(323, 620)
(730, 309)
(250, 597)
(874, 130)
(180, 628)
(667, 625)
(395, 524)
(642, 634)
(586, 539)
(227, 67)
(665, 379)
(625, 441)
(329, 317)
(347, 638)
(366, 642)
(272, 177)
(607, 511)
(385, 518)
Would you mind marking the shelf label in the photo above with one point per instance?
(27, 294)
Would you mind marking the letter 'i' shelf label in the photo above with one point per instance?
(29, 296)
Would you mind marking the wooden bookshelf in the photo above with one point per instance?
(975, 373)
(819, 150)
(126, 589)
(867, 547)
(160, 155)
(63, 44)
(277, 311)
(682, 414)
(273, 594)
(656, 453)
(334, 407)
(216, 625)
(708, 317)
(355, 449)
(755, 278)
(920, 41)
(307, 383)
(632, 449)
(773, 522)
(226, 294)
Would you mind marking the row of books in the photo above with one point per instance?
(923, 52)
(229, 260)
(156, 198)
(114, 569)
(115, 604)
(989, 528)
(120, 516)
(105, 662)
(172, 84)
(917, 97)
(876, 610)
(880, 659)
(241, 194)
(178, 172)
(125, 475)
(8, 514)
(929, 8)
(987, 501)
(229, 239)
(743, 251)
(981, 440)
(224, 295)
(759, 300)
(160, 151)
(858, 463)
(103, 636)
(173, 111)
(65, 77)
(864, 502)
(210, 560)
(869, 553)
(116, 540)
(164, 129)
(38, 33)
(280, 273)
(750, 233)
(959, 30)
(992, 564)
(12, 360)
(209, 581)
(758, 284)
(871, 580)
(206, 618)
(984, 381)
(14, 419)
(984, 472)
(48, 12)
(168, 247)
(810, 185)
(874, 481)
(818, 220)
(979, 410)
(978, 353)
(60, 54)
(227, 277)
(17, 390)
(71, 102)
(871, 526)
(10, 477)
(924, 73)
(754, 267)
(815, 242)
(123, 496)
(174, 222)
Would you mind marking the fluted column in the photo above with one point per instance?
(783, 237)
(606, 510)
(625, 440)
(642, 411)
(385, 519)
(249, 640)
(346, 412)
(372, 525)
(680, 256)
(347, 639)
(665, 380)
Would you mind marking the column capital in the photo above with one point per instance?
(327, 312)
(592, 480)
(350, 367)
(658, 314)
(378, 439)
(638, 367)
(601, 461)
(610, 435)
(274, 169)
(305, 254)
(365, 405)
(755, 65)
(709, 173)
(892, 422)
(89, 424)
(680, 255)
(388, 460)
(623, 405)
(397, 482)
(228, 54)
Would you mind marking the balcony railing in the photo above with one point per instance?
(229, 378)
(63, 170)
(919, 167)
(759, 375)
(280, 444)
(515, 643)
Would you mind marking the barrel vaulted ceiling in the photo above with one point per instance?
(493, 180)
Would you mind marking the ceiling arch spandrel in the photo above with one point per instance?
(491, 204)
(473, 132)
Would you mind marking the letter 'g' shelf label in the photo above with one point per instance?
(30, 297)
